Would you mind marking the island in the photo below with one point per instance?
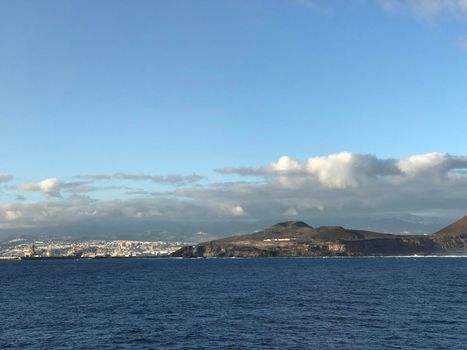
(298, 239)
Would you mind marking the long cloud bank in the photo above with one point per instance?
(332, 186)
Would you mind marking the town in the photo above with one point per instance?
(23, 248)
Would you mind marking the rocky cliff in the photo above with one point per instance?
(295, 239)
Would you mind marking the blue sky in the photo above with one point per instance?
(187, 87)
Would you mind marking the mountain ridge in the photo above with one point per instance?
(457, 228)
(297, 238)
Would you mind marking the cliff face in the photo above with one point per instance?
(295, 239)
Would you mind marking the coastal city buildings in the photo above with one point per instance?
(18, 248)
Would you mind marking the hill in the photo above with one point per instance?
(300, 231)
(456, 229)
(296, 238)
(453, 238)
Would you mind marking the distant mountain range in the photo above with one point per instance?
(296, 238)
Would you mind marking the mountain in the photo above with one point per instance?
(296, 238)
(456, 229)
(300, 231)
(453, 238)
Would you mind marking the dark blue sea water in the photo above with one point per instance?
(336, 303)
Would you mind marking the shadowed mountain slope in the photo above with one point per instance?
(300, 231)
(453, 238)
(458, 228)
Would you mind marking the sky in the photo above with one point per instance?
(182, 119)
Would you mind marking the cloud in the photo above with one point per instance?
(343, 170)
(243, 171)
(434, 164)
(325, 188)
(50, 187)
(78, 209)
(172, 179)
(285, 164)
(346, 183)
(427, 10)
(351, 170)
(340, 170)
(290, 212)
(5, 177)
(12, 215)
(54, 187)
(237, 210)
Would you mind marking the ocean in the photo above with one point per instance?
(300, 303)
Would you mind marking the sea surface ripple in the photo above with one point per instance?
(336, 303)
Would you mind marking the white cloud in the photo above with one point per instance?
(228, 210)
(55, 187)
(422, 163)
(238, 211)
(290, 212)
(342, 170)
(333, 185)
(348, 170)
(80, 210)
(285, 164)
(435, 164)
(50, 187)
(12, 215)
